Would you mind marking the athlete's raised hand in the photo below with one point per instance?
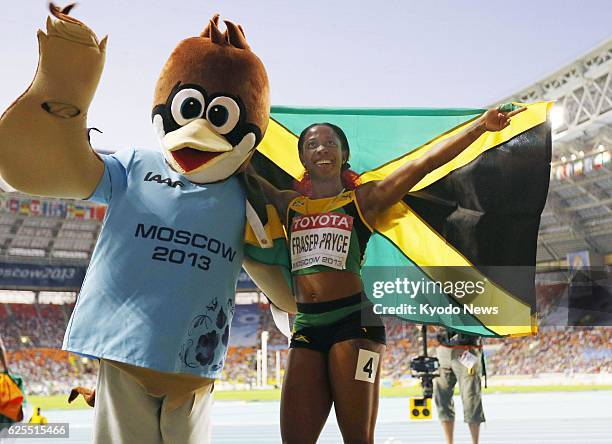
(496, 120)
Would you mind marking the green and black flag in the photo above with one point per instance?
(474, 216)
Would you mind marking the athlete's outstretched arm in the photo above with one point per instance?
(377, 196)
(44, 146)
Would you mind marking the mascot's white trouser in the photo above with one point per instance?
(126, 414)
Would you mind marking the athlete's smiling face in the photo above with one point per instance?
(322, 153)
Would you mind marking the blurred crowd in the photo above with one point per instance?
(53, 372)
(33, 333)
(33, 325)
(554, 350)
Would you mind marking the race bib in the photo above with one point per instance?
(320, 239)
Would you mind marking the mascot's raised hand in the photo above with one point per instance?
(44, 148)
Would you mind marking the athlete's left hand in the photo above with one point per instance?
(496, 120)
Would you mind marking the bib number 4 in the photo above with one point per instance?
(367, 366)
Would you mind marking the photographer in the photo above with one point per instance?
(460, 357)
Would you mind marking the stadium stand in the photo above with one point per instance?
(33, 333)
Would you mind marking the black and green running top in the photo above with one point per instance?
(326, 234)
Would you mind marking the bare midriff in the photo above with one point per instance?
(326, 286)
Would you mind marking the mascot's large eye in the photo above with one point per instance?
(188, 104)
(223, 114)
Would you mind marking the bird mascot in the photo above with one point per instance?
(158, 297)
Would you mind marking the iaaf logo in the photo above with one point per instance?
(322, 220)
(157, 178)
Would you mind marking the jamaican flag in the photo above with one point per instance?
(475, 218)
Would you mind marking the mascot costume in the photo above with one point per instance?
(158, 298)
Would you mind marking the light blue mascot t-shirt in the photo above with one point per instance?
(159, 290)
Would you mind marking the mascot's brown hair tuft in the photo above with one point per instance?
(220, 63)
(233, 36)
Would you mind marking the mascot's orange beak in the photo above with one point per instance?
(211, 105)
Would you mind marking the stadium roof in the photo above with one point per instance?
(578, 212)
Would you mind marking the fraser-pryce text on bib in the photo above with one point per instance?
(320, 239)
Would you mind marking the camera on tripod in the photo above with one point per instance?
(422, 365)
(426, 369)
